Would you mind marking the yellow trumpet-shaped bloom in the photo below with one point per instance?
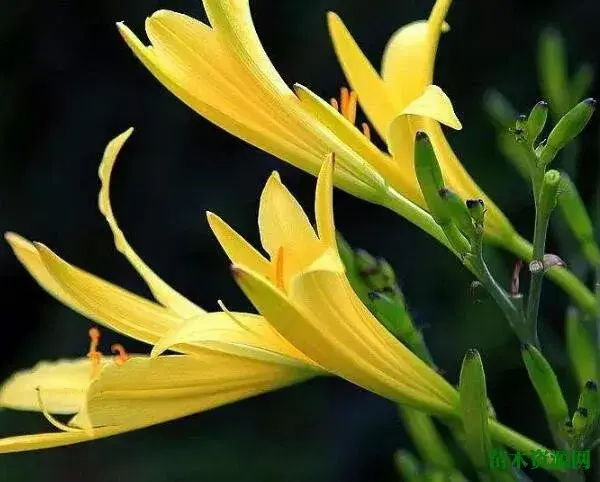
(222, 72)
(302, 291)
(394, 102)
(226, 356)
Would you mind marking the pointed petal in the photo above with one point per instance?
(147, 391)
(324, 204)
(364, 79)
(181, 83)
(409, 58)
(28, 256)
(24, 443)
(109, 304)
(166, 295)
(406, 67)
(242, 334)
(62, 384)
(236, 247)
(335, 351)
(349, 322)
(435, 104)
(283, 224)
(349, 134)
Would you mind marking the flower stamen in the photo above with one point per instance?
(366, 130)
(48, 416)
(122, 356)
(93, 354)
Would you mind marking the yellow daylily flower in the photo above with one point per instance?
(222, 72)
(227, 356)
(143, 391)
(301, 289)
(400, 102)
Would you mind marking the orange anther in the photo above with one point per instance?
(366, 130)
(122, 356)
(334, 104)
(351, 108)
(93, 354)
(344, 99)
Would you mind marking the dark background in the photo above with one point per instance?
(68, 84)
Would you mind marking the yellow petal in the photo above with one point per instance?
(23, 443)
(147, 391)
(337, 354)
(62, 384)
(283, 223)
(350, 323)
(161, 290)
(236, 247)
(109, 304)
(242, 334)
(406, 68)
(401, 143)
(170, 75)
(409, 58)
(435, 104)
(324, 204)
(29, 257)
(349, 134)
(364, 79)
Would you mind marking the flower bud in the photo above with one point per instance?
(476, 209)
(458, 211)
(585, 418)
(429, 176)
(567, 128)
(580, 348)
(536, 121)
(474, 409)
(578, 219)
(408, 466)
(546, 385)
(549, 191)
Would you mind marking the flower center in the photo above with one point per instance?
(347, 107)
(95, 355)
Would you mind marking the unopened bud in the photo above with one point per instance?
(580, 347)
(578, 219)
(459, 212)
(567, 128)
(429, 176)
(585, 418)
(549, 191)
(536, 121)
(476, 209)
(474, 409)
(546, 385)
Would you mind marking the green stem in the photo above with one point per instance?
(478, 265)
(542, 218)
(425, 436)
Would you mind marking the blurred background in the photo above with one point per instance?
(69, 84)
